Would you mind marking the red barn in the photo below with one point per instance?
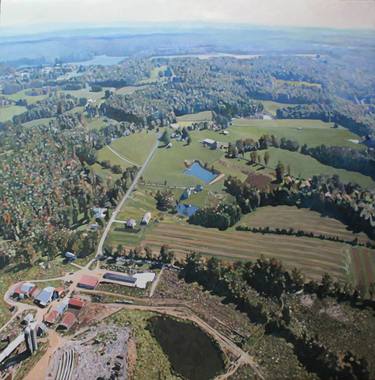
(88, 282)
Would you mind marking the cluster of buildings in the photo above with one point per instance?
(64, 315)
(139, 280)
(132, 223)
(42, 297)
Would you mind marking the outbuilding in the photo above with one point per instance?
(76, 303)
(68, 320)
(120, 277)
(146, 218)
(88, 282)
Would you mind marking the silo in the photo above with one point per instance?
(28, 340)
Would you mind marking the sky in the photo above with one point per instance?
(346, 14)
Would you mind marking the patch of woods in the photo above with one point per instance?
(260, 289)
(349, 115)
(349, 203)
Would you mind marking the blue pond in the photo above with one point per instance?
(186, 210)
(196, 170)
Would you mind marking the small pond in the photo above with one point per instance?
(196, 170)
(192, 354)
(186, 210)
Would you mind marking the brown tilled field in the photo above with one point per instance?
(363, 263)
(299, 219)
(312, 256)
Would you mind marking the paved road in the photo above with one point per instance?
(124, 199)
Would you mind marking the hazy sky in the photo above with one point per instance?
(320, 13)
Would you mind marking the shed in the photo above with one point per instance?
(212, 144)
(88, 282)
(70, 256)
(28, 319)
(119, 277)
(68, 320)
(146, 218)
(76, 303)
(51, 317)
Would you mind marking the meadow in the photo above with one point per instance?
(310, 132)
(7, 113)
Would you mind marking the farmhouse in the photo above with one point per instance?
(88, 282)
(70, 256)
(99, 213)
(45, 296)
(131, 223)
(26, 289)
(146, 218)
(212, 144)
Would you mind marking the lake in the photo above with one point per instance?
(196, 170)
(103, 60)
(191, 352)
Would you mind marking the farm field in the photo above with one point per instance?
(195, 117)
(272, 107)
(310, 132)
(7, 113)
(127, 90)
(314, 257)
(363, 264)
(298, 219)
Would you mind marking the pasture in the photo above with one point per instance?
(306, 166)
(135, 147)
(7, 113)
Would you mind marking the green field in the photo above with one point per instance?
(272, 107)
(105, 154)
(7, 113)
(310, 132)
(135, 147)
(196, 117)
(297, 83)
(22, 95)
(306, 166)
(127, 90)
